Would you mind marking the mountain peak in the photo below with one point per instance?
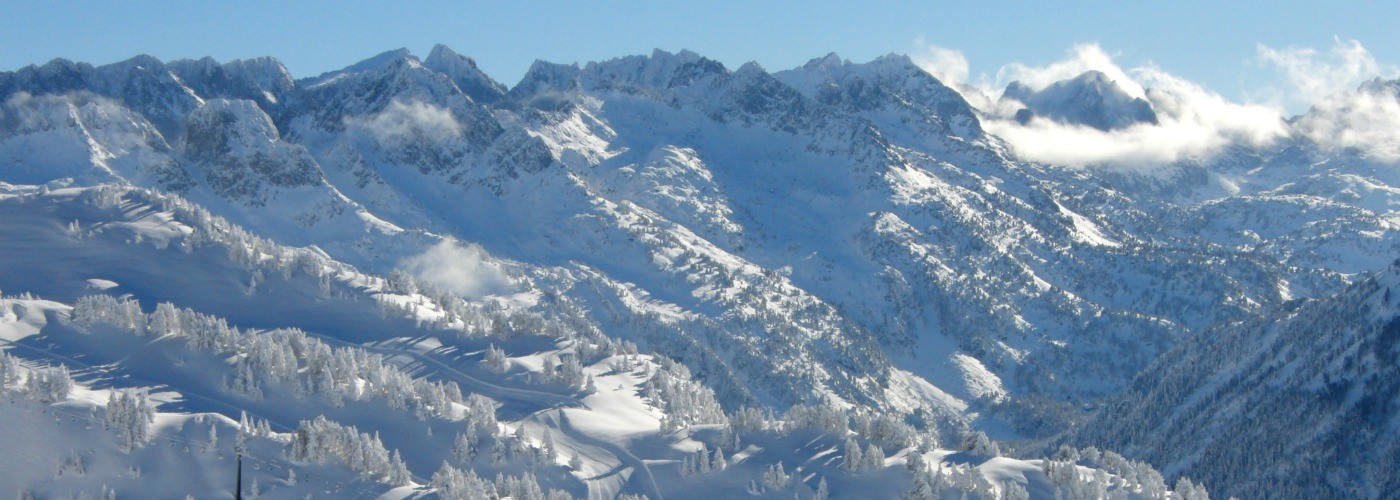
(58, 75)
(59, 62)
(141, 61)
(1380, 85)
(440, 52)
(831, 60)
(893, 59)
(266, 71)
(1093, 76)
(262, 79)
(889, 82)
(545, 76)
(751, 68)
(1091, 99)
(464, 72)
(684, 56)
(660, 70)
(380, 61)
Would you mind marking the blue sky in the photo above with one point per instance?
(1215, 44)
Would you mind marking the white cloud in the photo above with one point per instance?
(1312, 76)
(1137, 147)
(1081, 58)
(1341, 115)
(464, 270)
(948, 65)
(1194, 122)
(1367, 120)
(414, 121)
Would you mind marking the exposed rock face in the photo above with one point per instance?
(235, 147)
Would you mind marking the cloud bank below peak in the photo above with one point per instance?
(1194, 123)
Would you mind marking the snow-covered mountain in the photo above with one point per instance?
(838, 235)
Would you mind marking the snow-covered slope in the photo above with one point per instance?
(83, 136)
(333, 382)
(1299, 403)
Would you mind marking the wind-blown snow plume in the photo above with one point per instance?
(948, 65)
(465, 270)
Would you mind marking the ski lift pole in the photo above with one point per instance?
(238, 489)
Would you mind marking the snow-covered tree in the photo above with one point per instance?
(1015, 491)
(165, 321)
(828, 419)
(855, 459)
(498, 452)
(495, 359)
(874, 457)
(454, 484)
(519, 442)
(1187, 490)
(320, 440)
(977, 443)
(481, 412)
(289, 356)
(524, 487)
(245, 380)
(1071, 484)
(717, 461)
(398, 471)
(683, 401)
(960, 481)
(702, 460)
(464, 447)
(48, 385)
(776, 478)
(9, 372)
(547, 449)
(914, 461)
(884, 429)
(130, 414)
